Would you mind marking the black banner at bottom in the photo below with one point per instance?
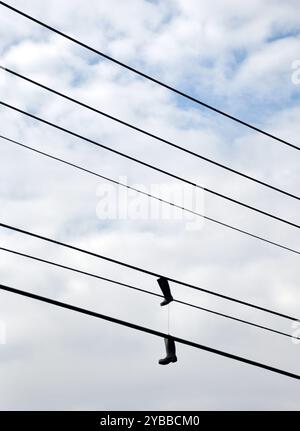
(130, 420)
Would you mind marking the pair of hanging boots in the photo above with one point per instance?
(169, 342)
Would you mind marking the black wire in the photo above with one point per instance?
(213, 192)
(145, 271)
(149, 195)
(146, 330)
(118, 120)
(144, 75)
(116, 320)
(188, 304)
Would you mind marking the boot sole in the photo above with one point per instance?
(167, 363)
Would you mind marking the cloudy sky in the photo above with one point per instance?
(234, 55)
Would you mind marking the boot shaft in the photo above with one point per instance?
(170, 352)
(165, 288)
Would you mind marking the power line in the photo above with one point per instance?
(145, 271)
(136, 327)
(148, 165)
(144, 75)
(138, 129)
(119, 183)
(129, 286)
(146, 330)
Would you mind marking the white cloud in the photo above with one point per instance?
(233, 57)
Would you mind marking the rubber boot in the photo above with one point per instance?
(170, 351)
(165, 288)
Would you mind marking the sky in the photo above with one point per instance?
(240, 57)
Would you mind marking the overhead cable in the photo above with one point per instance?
(152, 135)
(119, 183)
(145, 271)
(146, 330)
(130, 286)
(155, 168)
(148, 77)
